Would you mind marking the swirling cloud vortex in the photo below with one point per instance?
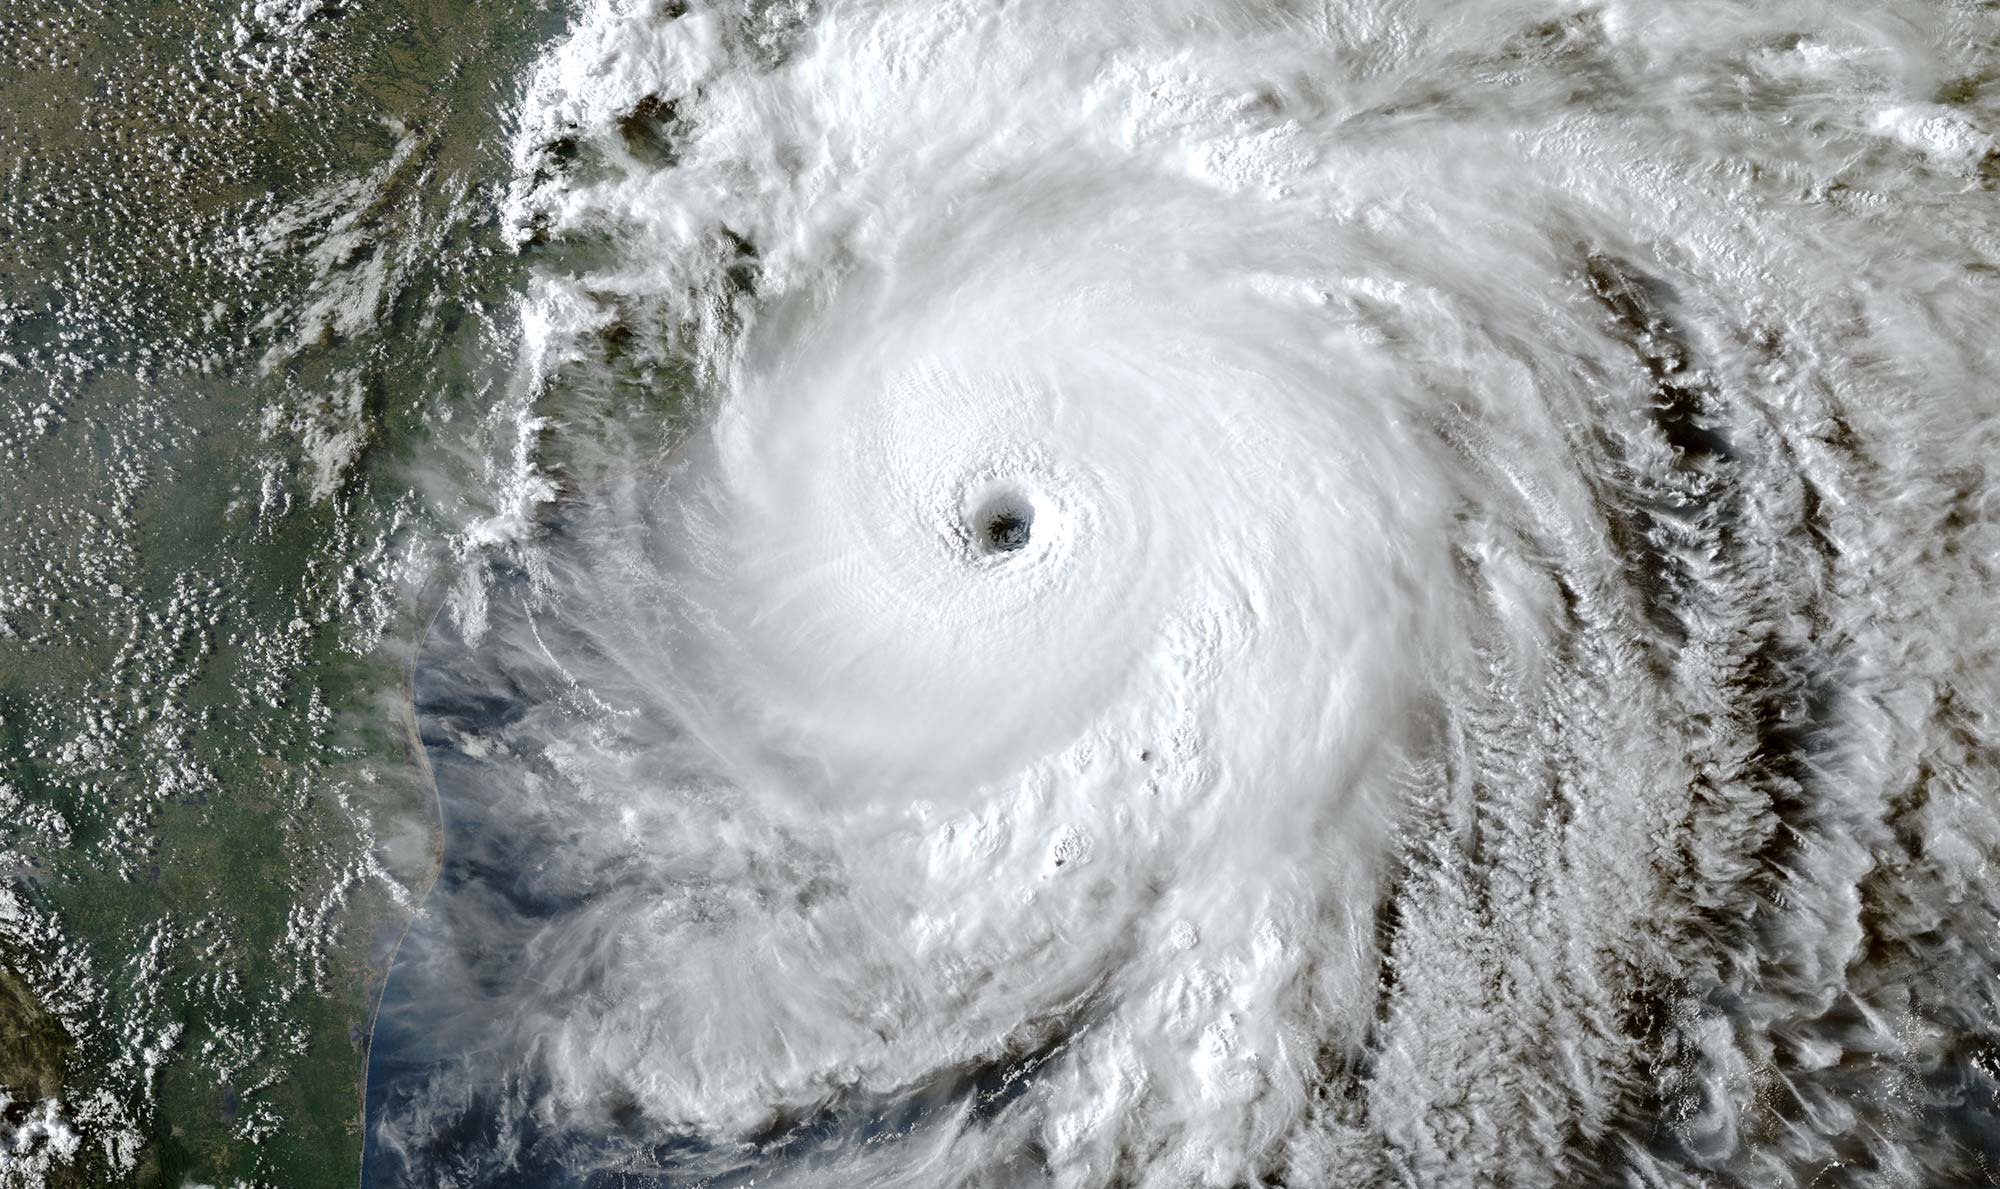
(1245, 594)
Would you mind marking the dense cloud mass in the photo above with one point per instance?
(1218, 594)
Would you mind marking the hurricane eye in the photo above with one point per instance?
(1003, 523)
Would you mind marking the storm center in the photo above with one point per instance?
(1003, 523)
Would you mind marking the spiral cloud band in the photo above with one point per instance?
(1226, 594)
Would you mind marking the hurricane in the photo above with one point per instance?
(1214, 593)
